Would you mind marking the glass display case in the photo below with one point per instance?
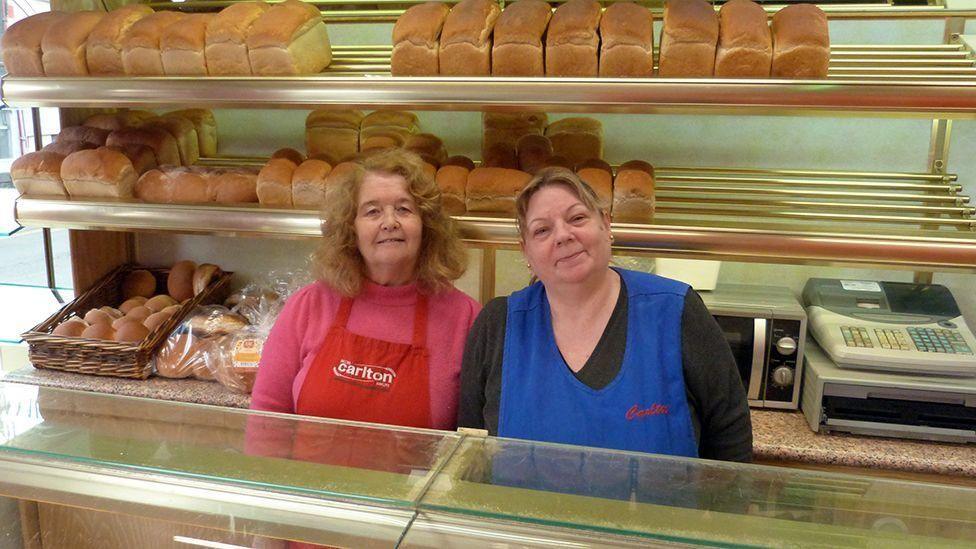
(96, 470)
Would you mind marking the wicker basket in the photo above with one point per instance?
(109, 358)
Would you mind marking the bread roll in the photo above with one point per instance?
(501, 155)
(21, 44)
(633, 194)
(157, 303)
(428, 146)
(205, 125)
(63, 44)
(141, 55)
(290, 154)
(274, 183)
(452, 181)
(465, 48)
(233, 186)
(688, 40)
(138, 283)
(182, 46)
(183, 132)
(105, 121)
(576, 138)
(99, 331)
(517, 42)
(494, 189)
(533, 150)
(801, 42)
(510, 127)
(65, 147)
(203, 275)
(308, 183)
(179, 281)
(289, 39)
(70, 328)
(333, 133)
(100, 172)
(745, 44)
(459, 160)
(627, 41)
(226, 39)
(416, 40)
(104, 47)
(142, 157)
(572, 42)
(38, 174)
(88, 134)
(601, 181)
(159, 140)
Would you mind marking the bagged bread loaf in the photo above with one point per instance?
(745, 46)
(465, 44)
(416, 40)
(573, 41)
(103, 49)
(801, 42)
(21, 44)
(688, 40)
(38, 174)
(517, 48)
(626, 41)
(63, 45)
(289, 39)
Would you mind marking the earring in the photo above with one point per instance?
(611, 237)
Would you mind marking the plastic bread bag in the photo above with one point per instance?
(237, 367)
(260, 302)
(195, 347)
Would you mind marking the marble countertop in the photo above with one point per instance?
(777, 435)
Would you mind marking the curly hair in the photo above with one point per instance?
(338, 262)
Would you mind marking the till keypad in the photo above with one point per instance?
(939, 340)
(856, 337)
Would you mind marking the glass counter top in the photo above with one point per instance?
(353, 484)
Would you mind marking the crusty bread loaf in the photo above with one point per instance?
(745, 44)
(689, 39)
(182, 46)
(600, 179)
(206, 127)
(510, 127)
(452, 181)
(289, 39)
(308, 184)
(533, 150)
(576, 138)
(494, 189)
(627, 41)
(416, 40)
(428, 146)
(104, 47)
(21, 44)
(63, 45)
(517, 43)
(141, 55)
(274, 183)
(801, 42)
(65, 147)
(226, 39)
(332, 134)
(633, 193)
(233, 186)
(38, 173)
(88, 134)
(185, 134)
(142, 157)
(96, 173)
(159, 140)
(465, 48)
(572, 41)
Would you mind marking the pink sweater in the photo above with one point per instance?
(381, 312)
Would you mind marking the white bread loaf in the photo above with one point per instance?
(21, 44)
(801, 42)
(38, 174)
(226, 40)
(182, 46)
(633, 193)
(453, 182)
(98, 173)
(183, 132)
(63, 45)
(465, 44)
(517, 42)
(274, 183)
(745, 44)
(159, 140)
(233, 186)
(289, 39)
(88, 134)
(573, 41)
(332, 135)
(206, 127)
(308, 184)
(627, 41)
(141, 55)
(416, 40)
(104, 46)
(576, 138)
(494, 189)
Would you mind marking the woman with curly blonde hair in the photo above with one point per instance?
(379, 336)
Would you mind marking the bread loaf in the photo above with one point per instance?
(428, 146)
(233, 186)
(183, 132)
(142, 157)
(633, 193)
(510, 127)
(226, 39)
(159, 140)
(801, 42)
(65, 147)
(745, 46)
(153, 186)
(576, 138)
(205, 125)
(188, 186)
(494, 189)
(627, 41)
(104, 47)
(274, 183)
(21, 44)
(334, 134)
(465, 48)
(386, 129)
(416, 40)
(182, 46)
(105, 121)
(100, 172)
(459, 160)
(385, 119)
(572, 42)
(688, 40)
(452, 181)
(599, 176)
(501, 155)
(308, 184)
(533, 151)
(289, 39)
(88, 134)
(141, 55)
(63, 45)
(517, 43)
(38, 173)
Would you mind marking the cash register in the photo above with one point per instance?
(896, 327)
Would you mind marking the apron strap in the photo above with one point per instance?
(342, 316)
(420, 321)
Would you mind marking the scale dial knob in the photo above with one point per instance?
(786, 346)
(783, 376)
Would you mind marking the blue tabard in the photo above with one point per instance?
(643, 409)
